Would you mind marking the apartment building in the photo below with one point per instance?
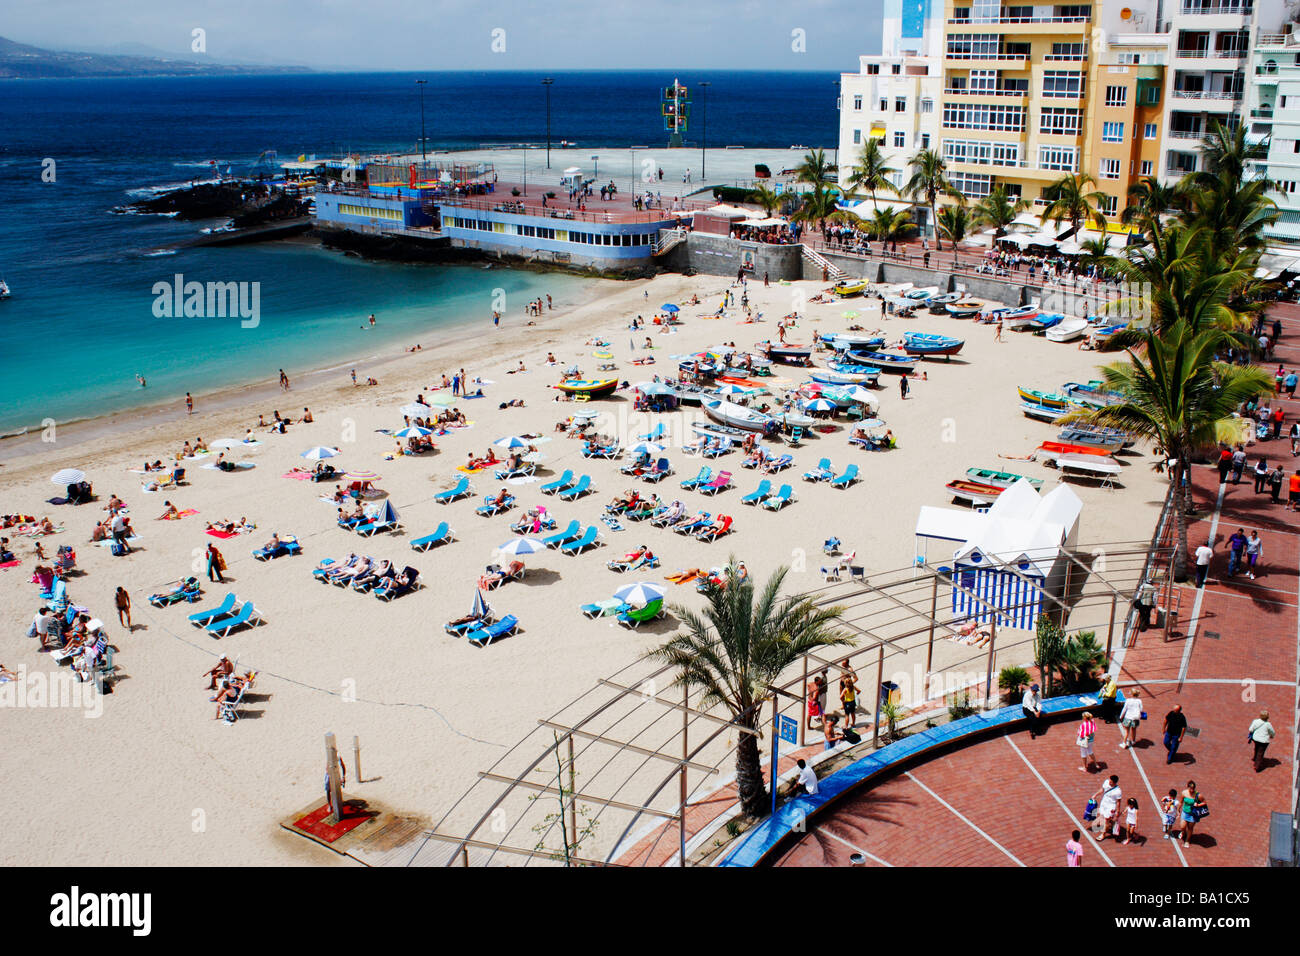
(1273, 114)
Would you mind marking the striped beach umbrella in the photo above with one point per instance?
(68, 476)
(641, 593)
(511, 442)
(520, 546)
(647, 448)
(480, 608)
(362, 476)
(859, 394)
(819, 405)
(319, 452)
(413, 431)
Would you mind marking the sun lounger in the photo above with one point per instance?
(639, 615)
(465, 625)
(230, 708)
(247, 617)
(464, 488)
(722, 481)
(662, 469)
(643, 563)
(441, 535)
(574, 530)
(189, 592)
(713, 532)
(226, 608)
(490, 580)
(758, 494)
(656, 433)
(578, 490)
(391, 589)
(849, 477)
(523, 471)
(779, 463)
(645, 510)
(719, 447)
(559, 484)
(486, 635)
(822, 472)
(602, 608)
(578, 545)
(705, 474)
(594, 450)
(492, 507)
(692, 525)
(783, 496)
(796, 436)
(287, 546)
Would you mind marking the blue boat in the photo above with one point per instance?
(841, 373)
(1090, 393)
(885, 361)
(1045, 321)
(850, 340)
(925, 343)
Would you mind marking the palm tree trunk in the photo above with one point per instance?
(1180, 521)
(934, 221)
(749, 777)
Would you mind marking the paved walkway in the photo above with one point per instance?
(1012, 801)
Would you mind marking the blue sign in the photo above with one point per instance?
(915, 13)
(787, 729)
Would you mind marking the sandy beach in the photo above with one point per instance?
(172, 785)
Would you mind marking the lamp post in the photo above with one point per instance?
(546, 82)
(704, 125)
(523, 150)
(424, 153)
(596, 173)
(632, 175)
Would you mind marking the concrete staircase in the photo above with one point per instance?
(668, 239)
(821, 262)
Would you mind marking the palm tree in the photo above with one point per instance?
(887, 224)
(1225, 153)
(954, 223)
(1174, 393)
(871, 172)
(737, 648)
(814, 169)
(1148, 200)
(765, 197)
(817, 205)
(999, 210)
(1073, 201)
(929, 181)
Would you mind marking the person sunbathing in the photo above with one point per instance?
(500, 500)
(676, 512)
(231, 687)
(358, 571)
(383, 571)
(492, 576)
(467, 619)
(273, 544)
(223, 669)
(716, 525)
(338, 570)
(169, 512)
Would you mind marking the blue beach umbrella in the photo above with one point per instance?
(655, 388)
(414, 431)
(522, 546)
(480, 608)
(647, 448)
(670, 307)
(641, 593)
(511, 442)
(819, 405)
(319, 452)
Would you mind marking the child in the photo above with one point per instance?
(1130, 821)
(1168, 804)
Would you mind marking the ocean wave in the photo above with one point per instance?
(159, 252)
(145, 191)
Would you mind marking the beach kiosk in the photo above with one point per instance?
(1004, 559)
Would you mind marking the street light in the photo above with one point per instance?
(524, 151)
(424, 143)
(632, 175)
(596, 174)
(704, 124)
(546, 82)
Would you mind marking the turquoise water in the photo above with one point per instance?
(314, 306)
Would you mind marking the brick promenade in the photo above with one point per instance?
(1012, 801)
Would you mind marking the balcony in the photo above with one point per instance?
(1207, 95)
(1021, 58)
(1231, 8)
(1185, 134)
(1018, 94)
(1199, 54)
(987, 21)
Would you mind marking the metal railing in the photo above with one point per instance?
(1208, 94)
(1020, 93)
(1217, 9)
(985, 21)
(1001, 57)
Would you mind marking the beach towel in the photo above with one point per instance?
(222, 534)
(181, 514)
(474, 471)
(612, 523)
(239, 466)
(11, 564)
(297, 475)
(682, 577)
(108, 542)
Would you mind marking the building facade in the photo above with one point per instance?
(1273, 113)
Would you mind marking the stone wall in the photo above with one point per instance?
(721, 256)
(888, 271)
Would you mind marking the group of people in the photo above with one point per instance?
(820, 717)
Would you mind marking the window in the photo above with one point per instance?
(1146, 169)
(857, 102)
(971, 46)
(900, 104)
(984, 153)
(1059, 121)
(1295, 146)
(971, 185)
(1063, 83)
(927, 106)
(925, 140)
(1066, 51)
(1112, 132)
(1151, 95)
(1149, 131)
(1116, 95)
(857, 137)
(884, 105)
(873, 69)
(1110, 169)
(1011, 118)
(983, 79)
(1060, 158)
(900, 139)
(896, 69)
(1108, 205)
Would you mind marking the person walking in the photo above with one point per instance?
(1087, 733)
(1261, 473)
(1193, 809)
(189, 404)
(903, 387)
(1130, 826)
(1203, 555)
(1290, 382)
(1173, 729)
(1293, 492)
(997, 336)
(1074, 849)
(1108, 807)
(123, 602)
(1279, 416)
(1261, 734)
(1295, 439)
(1236, 548)
(1254, 551)
(1130, 718)
(849, 698)
(1031, 706)
(216, 564)
(1238, 464)
(1275, 479)
(1225, 463)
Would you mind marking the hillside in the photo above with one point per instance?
(21, 61)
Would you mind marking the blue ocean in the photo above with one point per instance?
(81, 325)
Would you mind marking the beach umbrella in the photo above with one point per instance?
(669, 307)
(640, 593)
(319, 452)
(361, 476)
(819, 405)
(480, 608)
(229, 443)
(871, 423)
(602, 355)
(647, 448)
(416, 410)
(655, 388)
(850, 314)
(730, 389)
(586, 413)
(511, 442)
(68, 476)
(859, 394)
(522, 546)
(533, 457)
(573, 370)
(413, 431)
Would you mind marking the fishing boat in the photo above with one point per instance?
(743, 382)
(1101, 434)
(699, 368)
(1045, 320)
(4, 289)
(925, 343)
(848, 340)
(977, 493)
(1005, 479)
(1044, 413)
(1013, 319)
(1101, 334)
(964, 309)
(714, 430)
(689, 394)
(1075, 436)
(938, 303)
(1060, 402)
(885, 361)
(1067, 330)
(850, 287)
(1053, 448)
(786, 352)
(832, 393)
(919, 296)
(736, 416)
(857, 375)
(591, 387)
(1092, 393)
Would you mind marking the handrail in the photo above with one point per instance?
(987, 21)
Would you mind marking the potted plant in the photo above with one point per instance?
(514, 191)
(550, 195)
(1011, 679)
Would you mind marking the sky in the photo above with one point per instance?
(459, 34)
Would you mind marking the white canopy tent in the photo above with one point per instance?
(722, 209)
(1273, 263)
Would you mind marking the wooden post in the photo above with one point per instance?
(988, 676)
(356, 757)
(929, 647)
(573, 789)
(1110, 634)
(880, 681)
(334, 791)
(686, 752)
(464, 856)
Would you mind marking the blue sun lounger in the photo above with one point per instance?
(758, 494)
(463, 489)
(486, 635)
(226, 608)
(441, 535)
(578, 490)
(568, 534)
(490, 507)
(783, 496)
(579, 545)
(849, 477)
(287, 546)
(822, 472)
(559, 484)
(390, 589)
(247, 617)
(705, 474)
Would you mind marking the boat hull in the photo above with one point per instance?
(974, 491)
(1001, 479)
(735, 416)
(885, 361)
(922, 345)
(1043, 398)
(592, 388)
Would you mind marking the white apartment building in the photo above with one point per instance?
(1273, 114)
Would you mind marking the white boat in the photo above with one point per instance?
(735, 416)
(4, 289)
(1067, 330)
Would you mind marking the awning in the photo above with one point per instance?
(980, 240)
(865, 208)
(1272, 265)
(722, 209)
